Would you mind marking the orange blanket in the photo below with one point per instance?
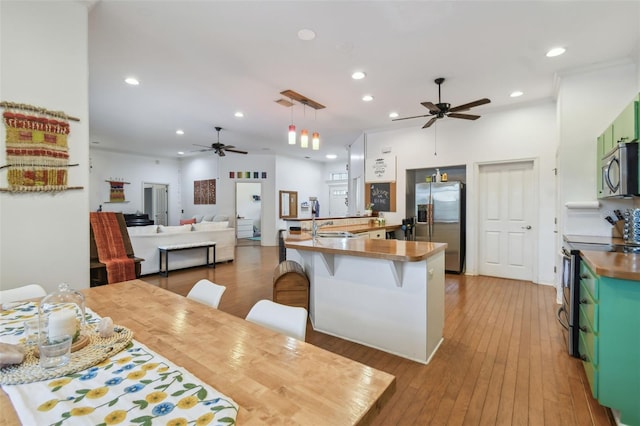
(110, 245)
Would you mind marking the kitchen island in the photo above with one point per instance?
(385, 294)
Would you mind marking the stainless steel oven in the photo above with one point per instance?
(568, 313)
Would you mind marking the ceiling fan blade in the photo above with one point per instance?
(470, 105)
(430, 122)
(431, 107)
(204, 146)
(464, 116)
(237, 151)
(415, 116)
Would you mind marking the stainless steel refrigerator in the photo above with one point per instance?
(440, 217)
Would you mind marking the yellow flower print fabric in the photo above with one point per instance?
(134, 387)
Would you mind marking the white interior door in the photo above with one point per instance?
(338, 205)
(156, 202)
(506, 210)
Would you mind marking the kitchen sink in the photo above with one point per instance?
(335, 234)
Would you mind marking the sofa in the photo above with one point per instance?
(145, 241)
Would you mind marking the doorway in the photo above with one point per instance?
(507, 211)
(155, 202)
(338, 200)
(249, 213)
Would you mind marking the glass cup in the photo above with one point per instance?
(32, 330)
(55, 352)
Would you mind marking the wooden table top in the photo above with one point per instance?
(406, 251)
(274, 378)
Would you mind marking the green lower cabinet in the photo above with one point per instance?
(612, 361)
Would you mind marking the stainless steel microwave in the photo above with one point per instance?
(619, 171)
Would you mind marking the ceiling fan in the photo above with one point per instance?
(441, 110)
(220, 148)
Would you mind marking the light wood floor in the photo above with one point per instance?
(503, 360)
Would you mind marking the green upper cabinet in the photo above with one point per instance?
(605, 144)
(625, 127)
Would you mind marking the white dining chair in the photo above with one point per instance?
(30, 291)
(207, 292)
(284, 319)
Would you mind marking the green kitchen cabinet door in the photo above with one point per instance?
(619, 347)
(625, 126)
(607, 142)
(600, 154)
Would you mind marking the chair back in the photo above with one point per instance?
(284, 319)
(30, 291)
(207, 292)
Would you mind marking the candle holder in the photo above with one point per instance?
(62, 313)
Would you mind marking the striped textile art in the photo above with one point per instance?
(37, 152)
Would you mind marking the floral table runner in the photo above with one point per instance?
(136, 386)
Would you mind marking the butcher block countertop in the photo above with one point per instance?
(399, 250)
(624, 266)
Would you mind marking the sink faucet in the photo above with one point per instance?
(315, 226)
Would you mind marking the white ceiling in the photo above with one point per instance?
(201, 61)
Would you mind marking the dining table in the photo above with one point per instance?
(273, 378)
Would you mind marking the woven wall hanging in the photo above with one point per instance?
(36, 148)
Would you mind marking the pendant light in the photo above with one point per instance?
(315, 141)
(304, 138)
(292, 129)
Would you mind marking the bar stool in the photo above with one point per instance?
(288, 320)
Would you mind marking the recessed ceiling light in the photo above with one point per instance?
(393, 114)
(556, 51)
(367, 98)
(180, 153)
(132, 81)
(358, 75)
(239, 114)
(306, 34)
(95, 142)
(179, 132)
(331, 156)
(516, 93)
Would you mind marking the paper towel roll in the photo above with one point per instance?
(582, 204)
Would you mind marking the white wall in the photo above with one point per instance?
(307, 178)
(526, 132)
(212, 167)
(587, 103)
(134, 169)
(45, 236)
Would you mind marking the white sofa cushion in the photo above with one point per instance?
(143, 230)
(207, 226)
(178, 229)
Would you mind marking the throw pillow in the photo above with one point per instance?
(187, 221)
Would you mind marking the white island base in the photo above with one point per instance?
(395, 306)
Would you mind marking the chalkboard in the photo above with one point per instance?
(382, 195)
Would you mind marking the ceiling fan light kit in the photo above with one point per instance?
(220, 148)
(443, 109)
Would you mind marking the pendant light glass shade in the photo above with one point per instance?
(304, 138)
(292, 134)
(315, 141)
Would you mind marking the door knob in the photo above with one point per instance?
(526, 227)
